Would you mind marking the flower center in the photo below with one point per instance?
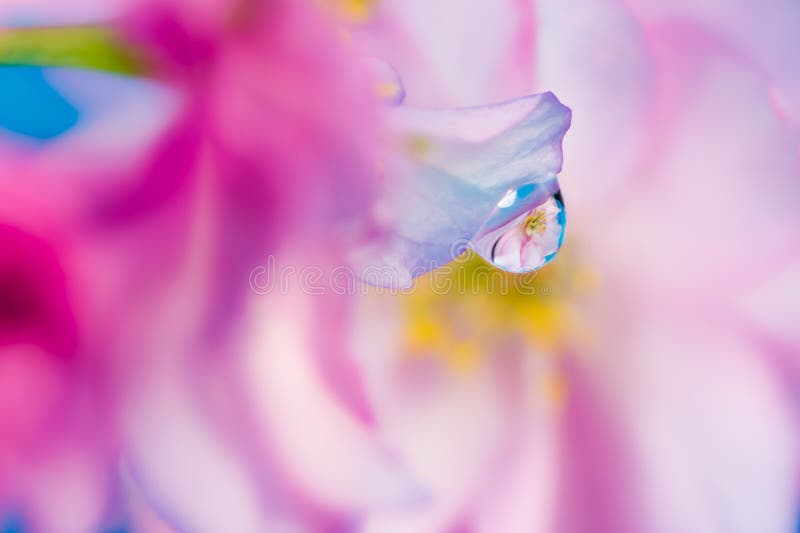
(468, 310)
(535, 223)
(469, 313)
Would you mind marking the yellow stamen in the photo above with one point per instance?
(488, 311)
(535, 223)
(356, 11)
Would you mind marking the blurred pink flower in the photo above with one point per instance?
(56, 429)
(270, 111)
(669, 378)
(273, 154)
(282, 433)
(266, 148)
(662, 408)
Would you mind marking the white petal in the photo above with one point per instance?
(451, 54)
(595, 56)
(334, 457)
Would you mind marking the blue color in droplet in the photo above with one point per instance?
(31, 107)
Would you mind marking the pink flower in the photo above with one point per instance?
(281, 429)
(654, 387)
(267, 149)
(56, 432)
(272, 154)
(39, 335)
(641, 394)
(242, 73)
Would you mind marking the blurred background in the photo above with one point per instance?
(188, 188)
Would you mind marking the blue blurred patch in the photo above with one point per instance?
(119, 529)
(31, 107)
(11, 524)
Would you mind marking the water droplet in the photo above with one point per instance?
(526, 229)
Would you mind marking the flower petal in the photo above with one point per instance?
(593, 54)
(462, 162)
(713, 458)
(483, 52)
(508, 251)
(334, 458)
(763, 33)
(177, 458)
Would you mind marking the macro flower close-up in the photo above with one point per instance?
(399, 266)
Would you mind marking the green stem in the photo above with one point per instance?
(87, 47)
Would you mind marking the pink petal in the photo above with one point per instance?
(512, 251)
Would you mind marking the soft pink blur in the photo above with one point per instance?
(133, 265)
(652, 391)
(679, 361)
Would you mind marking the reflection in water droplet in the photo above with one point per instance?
(508, 200)
(526, 229)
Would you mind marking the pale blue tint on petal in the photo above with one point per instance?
(115, 110)
(435, 225)
(23, 14)
(463, 163)
(107, 112)
(496, 147)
